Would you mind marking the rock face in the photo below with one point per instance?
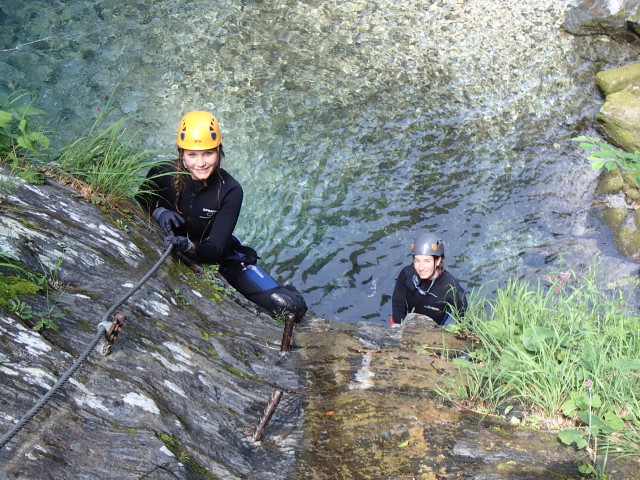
(188, 376)
(193, 367)
(618, 121)
(619, 117)
(603, 17)
(618, 193)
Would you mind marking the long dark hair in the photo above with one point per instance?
(180, 178)
(440, 268)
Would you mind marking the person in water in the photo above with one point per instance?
(425, 287)
(196, 203)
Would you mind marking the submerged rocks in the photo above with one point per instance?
(602, 17)
(618, 121)
(618, 193)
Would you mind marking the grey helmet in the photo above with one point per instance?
(428, 244)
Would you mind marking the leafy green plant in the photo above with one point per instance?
(48, 320)
(122, 226)
(16, 130)
(29, 283)
(51, 280)
(20, 308)
(281, 318)
(593, 427)
(209, 277)
(181, 297)
(20, 141)
(603, 155)
(540, 341)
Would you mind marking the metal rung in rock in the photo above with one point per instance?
(111, 333)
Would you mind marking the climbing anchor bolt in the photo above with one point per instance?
(287, 334)
(111, 333)
(274, 399)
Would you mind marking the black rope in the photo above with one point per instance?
(63, 379)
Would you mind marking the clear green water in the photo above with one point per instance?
(351, 125)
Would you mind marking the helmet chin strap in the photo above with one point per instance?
(416, 283)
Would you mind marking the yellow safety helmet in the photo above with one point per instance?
(199, 131)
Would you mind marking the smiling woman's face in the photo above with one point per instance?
(200, 163)
(425, 265)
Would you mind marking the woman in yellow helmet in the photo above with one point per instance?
(196, 203)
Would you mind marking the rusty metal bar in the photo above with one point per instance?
(287, 334)
(274, 400)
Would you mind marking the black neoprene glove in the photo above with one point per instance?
(167, 219)
(180, 244)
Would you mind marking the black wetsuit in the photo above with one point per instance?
(210, 209)
(414, 295)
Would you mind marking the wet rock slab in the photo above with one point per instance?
(188, 375)
(372, 413)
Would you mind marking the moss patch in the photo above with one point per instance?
(610, 182)
(618, 79)
(619, 118)
(214, 353)
(632, 195)
(613, 218)
(12, 287)
(235, 371)
(631, 179)
(176, 447)
(627, 241)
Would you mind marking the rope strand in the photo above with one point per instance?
(63, 379)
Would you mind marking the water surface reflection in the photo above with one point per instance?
(351, 125)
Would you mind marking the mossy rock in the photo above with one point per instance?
(631, 179)
(619, 120)
(613, 218)
(632, 195)
(631, 188)
(618, 79)
(627, 241)
(636, 218)
(611, 181)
